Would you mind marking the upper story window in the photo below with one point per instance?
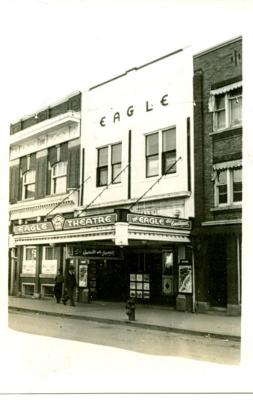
(169, 151)
(109, 164)
(28, 175)
(152, 154)
(102, 168)
(226, 105)
(29, 184)
(59, 177)
(116, 162)
(228, 186)
(161, 152)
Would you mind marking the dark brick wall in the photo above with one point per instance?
(227, 147)
(232, 271)
(73, 103)
(217, 67)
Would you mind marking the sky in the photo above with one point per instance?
(50, 48)
(54, 47)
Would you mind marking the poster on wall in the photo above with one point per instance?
(140, 286)
(168, 263)
(185, 279)
(83, 275)
(49, 267)
(29, 267)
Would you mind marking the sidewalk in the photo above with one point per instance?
(147, 316)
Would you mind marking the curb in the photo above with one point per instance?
(132, 323)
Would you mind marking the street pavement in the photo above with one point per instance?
(146, 316)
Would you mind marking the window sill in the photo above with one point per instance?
(27, 275)
(110, 185)
(227, 207)
(26, 200)
(230, 128)
(164, 176)
(47, 276)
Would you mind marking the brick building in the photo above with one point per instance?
(218, 177)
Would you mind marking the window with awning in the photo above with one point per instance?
(226, 105)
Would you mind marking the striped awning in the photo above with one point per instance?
(227, 165)
(226, 88)
(221, 90)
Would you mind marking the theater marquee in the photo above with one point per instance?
(60, 223)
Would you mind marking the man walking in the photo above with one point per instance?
(70, 284)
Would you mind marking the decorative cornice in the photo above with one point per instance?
(42, 205)
(65, 132)
(70, 117)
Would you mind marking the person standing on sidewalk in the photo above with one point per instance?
(58, 286)
(70, 284)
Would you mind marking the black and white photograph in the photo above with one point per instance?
(126, 164)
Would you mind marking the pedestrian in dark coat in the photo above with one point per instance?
(70, 284)
(58, 286)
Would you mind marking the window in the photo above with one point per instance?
(237, 185)
(161, 152)
(168, 151)
(222, 189)
(228, 187)
(49, 260)
(116, 163)
(106, 168)
(227, 109)
(102, 169)
(30, 253)
(152, 155)
(49, 253)
(59, 177)
(29, 184)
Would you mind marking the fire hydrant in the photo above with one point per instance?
(130, 309)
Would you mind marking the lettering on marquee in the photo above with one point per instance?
(59, 223)
(159, 221)
(94, 220)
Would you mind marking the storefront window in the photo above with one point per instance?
(49, 253)
(49, 261)
(30, 253)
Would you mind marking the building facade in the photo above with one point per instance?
(138, 151)
(44, 180)
(218, 177)
(138, 186)
(111, 192)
